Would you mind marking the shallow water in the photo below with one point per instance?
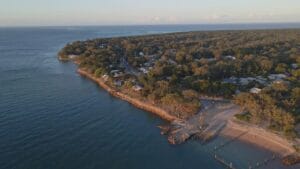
(50, 117)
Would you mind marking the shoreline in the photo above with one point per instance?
(137, 103)
(255, 135)
(258, 136)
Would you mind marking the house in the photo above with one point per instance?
(147, 64)
(205, 60)
(72, 56)
(277, 76)
(211, 59)
(278, 82)
(102, 46)
(118, 83)
(255, 90)
(294, 66)
(151, 56)
(281, 82)
(141, 54)
(116, 73)
(258, 79)
(261, 80)
(244, 81)
(172, 51)
(231, 80)
(105, 77)
(237, 91)
(144, 70)
(172, 62)
(229, 57)
(119, 74)
(137, 88)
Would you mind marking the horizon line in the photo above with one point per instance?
(166, 24)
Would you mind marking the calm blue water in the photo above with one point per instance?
(50, 117)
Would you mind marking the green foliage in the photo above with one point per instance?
(182, 65)
(281, 68)
(265, 64)
(244, 117)
(264, 110)
(99, 72)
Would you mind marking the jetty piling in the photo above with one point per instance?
(264, 163)
(230, 165)
(224, 162)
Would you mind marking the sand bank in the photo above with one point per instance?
(259, 136)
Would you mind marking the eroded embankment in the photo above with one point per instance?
(179, 130)
(137, 103)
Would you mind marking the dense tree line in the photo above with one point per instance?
(182, 66)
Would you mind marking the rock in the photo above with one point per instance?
(180, 131)
(291, 160)
(164, 129)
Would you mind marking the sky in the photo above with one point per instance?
(142, 12)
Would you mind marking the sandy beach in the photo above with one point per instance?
(258, 136)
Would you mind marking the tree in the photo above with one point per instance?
(266, 65)
(288, 122)
(281, 68)
(280, 87)
(202, 71)
(203, 86)
(99, 72)
(180, 56)
(162, 88)
(190, 95)
(296, 73)
(295, 97)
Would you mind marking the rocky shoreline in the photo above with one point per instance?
(137, 103)
(178, 130)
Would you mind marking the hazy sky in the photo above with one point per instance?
(128, 12)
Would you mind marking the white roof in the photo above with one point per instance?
(255, 90)
(137, 88)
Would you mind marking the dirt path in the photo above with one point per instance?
(217, 114)
(207, 123)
